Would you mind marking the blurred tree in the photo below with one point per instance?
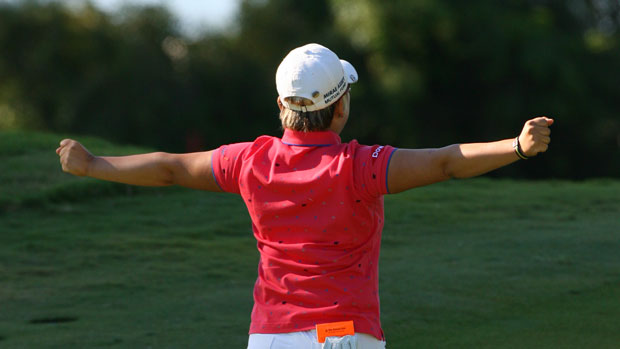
(431, 73)
(463, 71)
(237, 72)
(80, 72)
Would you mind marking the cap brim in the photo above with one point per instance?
(349, 72)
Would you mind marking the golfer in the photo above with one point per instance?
(315, 202)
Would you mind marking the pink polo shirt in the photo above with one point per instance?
(316, 206)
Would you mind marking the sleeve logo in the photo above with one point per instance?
(375, 154)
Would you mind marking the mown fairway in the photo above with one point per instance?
(473, 263)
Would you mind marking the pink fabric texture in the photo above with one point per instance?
(316, 206)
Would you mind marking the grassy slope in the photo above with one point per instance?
(504, 264)
(475, 263)
(29, 170)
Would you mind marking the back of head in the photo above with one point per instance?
(310, 80)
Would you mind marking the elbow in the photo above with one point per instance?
(167, 181)
(166, 171)
(450, 173)
(450, 160)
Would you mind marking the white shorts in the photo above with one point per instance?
(304, 340)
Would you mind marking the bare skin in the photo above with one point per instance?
(409, 168)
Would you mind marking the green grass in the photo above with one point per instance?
(466, 264)
(30, 176)
(503, 264)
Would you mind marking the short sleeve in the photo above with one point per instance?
(227, 161)
(371, 167)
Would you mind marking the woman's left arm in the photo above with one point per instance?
(410, 168)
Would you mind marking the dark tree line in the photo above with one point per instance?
(432, 73)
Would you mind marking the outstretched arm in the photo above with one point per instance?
(192, 170)
(410, 168)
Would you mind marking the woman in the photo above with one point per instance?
(316, 203)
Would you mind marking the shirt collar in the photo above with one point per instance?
(310, 139)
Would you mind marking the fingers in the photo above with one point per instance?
(536, 135)
(540, 130)
(544, 131)
(74, 158)
(539, 121)
(550, 121)
(63, 145)
(67, 143)
(61, 151)
(542, 121)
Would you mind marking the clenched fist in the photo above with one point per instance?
(535, 137)
(74, 158)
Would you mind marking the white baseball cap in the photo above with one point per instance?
(316, 73)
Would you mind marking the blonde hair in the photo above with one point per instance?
(307, 121)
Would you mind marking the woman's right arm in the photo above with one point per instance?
(192, 170)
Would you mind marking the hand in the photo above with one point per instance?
(535, 136)
(74, 158)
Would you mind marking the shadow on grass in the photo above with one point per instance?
(52, 320)
(74, 192)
